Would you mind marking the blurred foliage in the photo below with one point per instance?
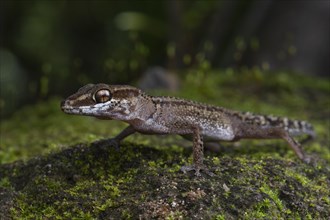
(61, 45)
(82, 41)
(54, 47)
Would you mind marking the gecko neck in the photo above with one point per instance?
(133, 109)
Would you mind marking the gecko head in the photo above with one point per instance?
(101, 100)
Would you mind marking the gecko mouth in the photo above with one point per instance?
(92, 110)
(69, 109)
(65, 106)
(77, 110)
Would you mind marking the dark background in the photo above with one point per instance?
(53, 47)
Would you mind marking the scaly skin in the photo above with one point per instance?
(168, 115)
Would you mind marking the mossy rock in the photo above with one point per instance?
(139, 181)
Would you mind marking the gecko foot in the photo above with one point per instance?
(105, 143)
(197, 170)
(311, 159)
(307, 159)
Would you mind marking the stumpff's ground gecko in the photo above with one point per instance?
(168, 115)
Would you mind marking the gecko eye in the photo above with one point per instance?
(102, 96)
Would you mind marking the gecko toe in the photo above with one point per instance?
(307, 159)
(197, 169)
(311, 159)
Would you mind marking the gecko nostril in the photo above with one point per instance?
(62, 103)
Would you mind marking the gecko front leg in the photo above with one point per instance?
(114, 142)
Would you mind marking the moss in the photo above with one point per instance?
(273, 195)
(219, 217)
(5, 182)
(45, 174)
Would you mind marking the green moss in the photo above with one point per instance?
(5, 182)
(216, 161)
(219, 217)
(273, 195)
(298, 176)
(261, 210)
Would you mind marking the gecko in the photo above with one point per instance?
(195, 121)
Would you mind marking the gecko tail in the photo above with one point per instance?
(293, 127)
(296, 128)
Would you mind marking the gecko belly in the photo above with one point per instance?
(218, 133)
(150, 127)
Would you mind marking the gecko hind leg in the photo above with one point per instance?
(274, 132)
